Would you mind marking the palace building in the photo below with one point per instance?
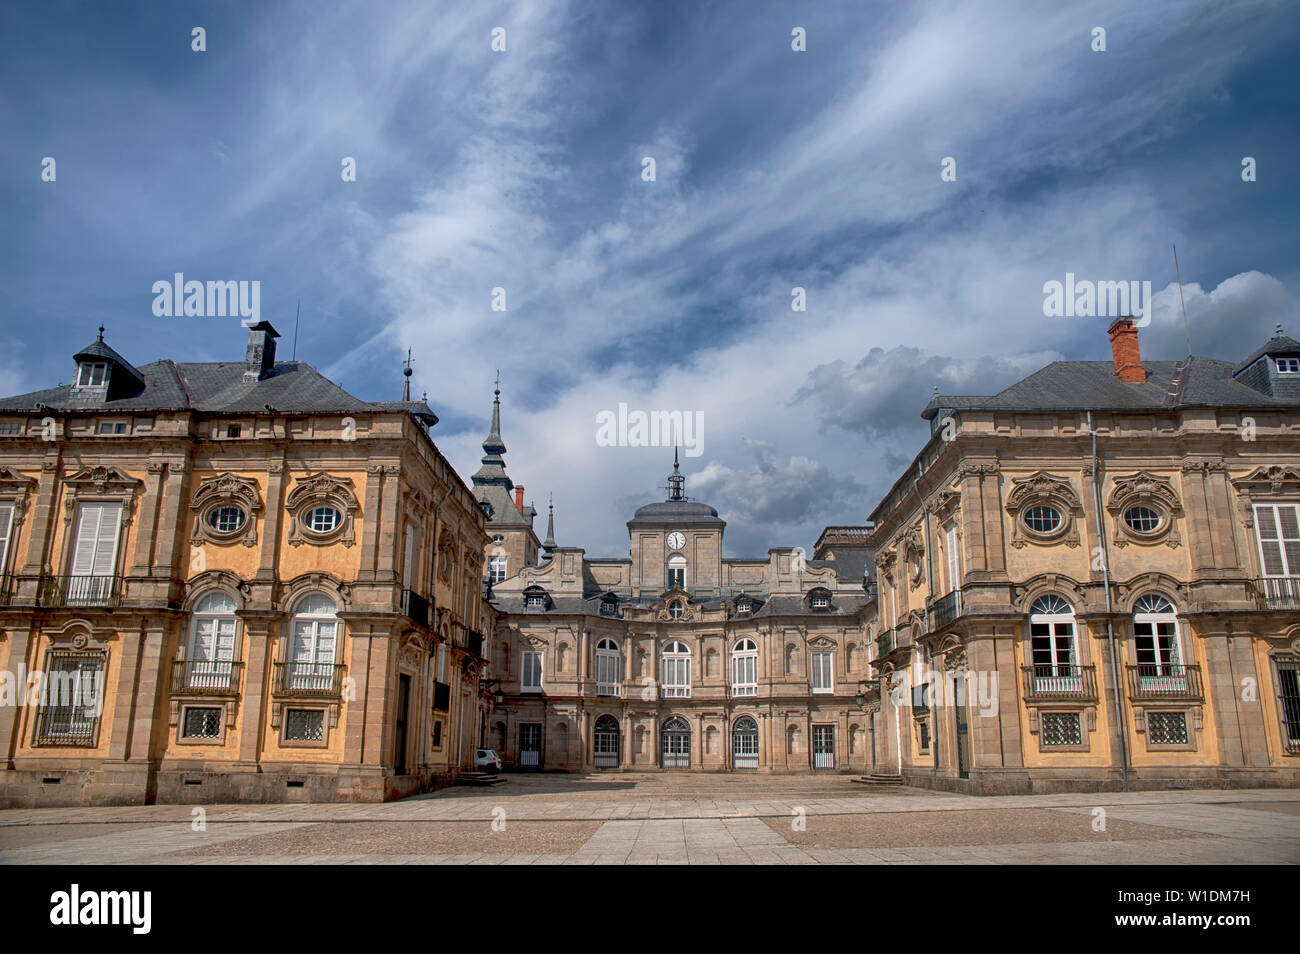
(1092, 579)
(232, 581)
(674, 657)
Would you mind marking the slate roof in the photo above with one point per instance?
(675, 511)
(1092, 385)
(219, 388)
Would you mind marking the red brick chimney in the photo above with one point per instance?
(519, 497)
(1124, 350)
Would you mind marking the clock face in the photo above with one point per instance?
(676, 540)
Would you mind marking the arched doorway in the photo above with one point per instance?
(744, 744)
(606, 742)
(676, 743)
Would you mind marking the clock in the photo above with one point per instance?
(676, 540)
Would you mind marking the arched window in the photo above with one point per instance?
(605, 742)
(676, 677)
(210, 657)
(677, 572)
(314, 644)
(744, 668)
(496, 569)
(609, 668)
(1052, 643)
(744, 743)
(1155, 638)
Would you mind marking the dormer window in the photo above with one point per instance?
(535, 600)
(1288, 365)
(744, 606)
(819, 599)
(92, 374)
(608, 607)
(111, 427)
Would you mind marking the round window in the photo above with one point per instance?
(323, 519)
(675, 609)
(1042, 519)
(226, 519)
(1142, 519)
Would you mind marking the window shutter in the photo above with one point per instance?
(83, 557)
(1278, 527)
(6, 525)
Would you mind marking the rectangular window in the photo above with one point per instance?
(1060, 728)
(71, 699)
(924, 728)
(531, 669)
(10, 428)
(744, 674)
(676, 578)
(91, 374)
(437, 734)
(677, 676)
(201, 722)
(608, 672)
(112, 427)
(1167, 728)
(6, 531)
(1157, 647)
(304, 725)
(442, 697)
(1278, 526)
(94, 555)
(823, 672)
(1288, 685)
(234, 430)
(1053, 649)
(954, 563)
(442, 662)
(1288, 365)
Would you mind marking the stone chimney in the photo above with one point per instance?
(1124, 350)
(260, 359)
(519, 497)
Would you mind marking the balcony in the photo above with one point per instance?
(473, 642)
(318, 680)
(416, 607)
(97, 590)
(1050, 683)
(884, 644)
(197, 677)
(1281, 592)
(945, 609)
(1150, 681)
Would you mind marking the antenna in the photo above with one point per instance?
(295, 330)
(1186, 327)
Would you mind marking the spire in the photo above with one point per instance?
(675, 480)
(407, 372)
(548, 545)
(494, 446)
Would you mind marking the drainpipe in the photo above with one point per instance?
(929, 588)
(1110, 630)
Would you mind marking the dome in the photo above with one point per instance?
(676, 511)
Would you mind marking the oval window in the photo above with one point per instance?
(675, 609)
(323, 519)
(1042, 519)
(226, 519)
(1142, 519)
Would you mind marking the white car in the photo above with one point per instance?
(485, 760)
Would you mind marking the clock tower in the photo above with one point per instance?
(676, 544)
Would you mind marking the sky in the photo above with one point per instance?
(523, 169)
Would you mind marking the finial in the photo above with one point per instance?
(100, 339)
(675, 480)
(936, 390)
(1279, 329)
(498, 385)
(407, 372)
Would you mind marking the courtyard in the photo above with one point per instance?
(668, 818)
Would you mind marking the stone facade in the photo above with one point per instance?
(1056, 617)
(280, 604)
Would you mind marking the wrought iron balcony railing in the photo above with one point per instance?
(1281, 592)
(1048, 682)
(945, 609)
(1149, 681)
(309, 679)
(80, 590)
(416, 607)
(205, 678)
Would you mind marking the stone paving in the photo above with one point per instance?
(669, 818)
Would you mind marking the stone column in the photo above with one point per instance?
(169, 521)
(261, 627)
(371, 517)
(387, 541)
(43, 518)
(21, 642)
(142, 563)
(273, 516)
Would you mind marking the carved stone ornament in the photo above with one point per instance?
(15, 489)
(913, 550)
(1145, 490)
(213, 521)
(313, 493)
(100, 483)
(1263, 483)
(665, 611)
(1044, 490)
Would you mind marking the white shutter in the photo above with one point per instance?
(96, 547)
(408, 566)
(954, 565)
(1278, 528)
(6, 525)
